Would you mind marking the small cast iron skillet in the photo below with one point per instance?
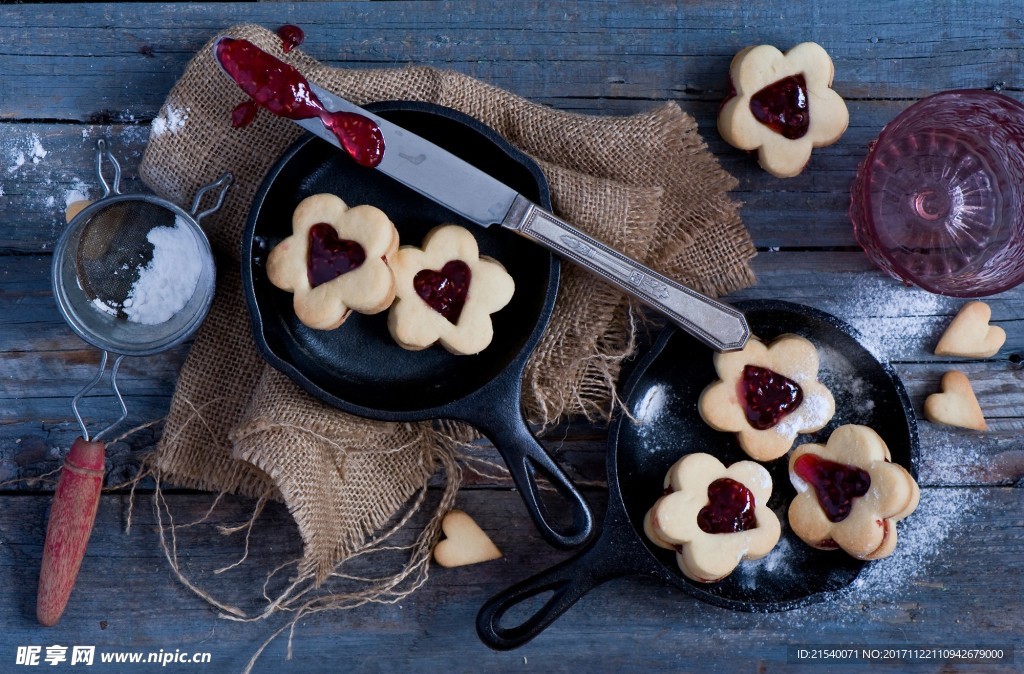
(663, 425)
(359, 368)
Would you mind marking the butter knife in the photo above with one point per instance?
(466, 190)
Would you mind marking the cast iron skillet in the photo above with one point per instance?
(358, 367)
(661, 398)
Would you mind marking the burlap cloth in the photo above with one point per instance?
(644, 183)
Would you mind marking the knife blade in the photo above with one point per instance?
(442, 177)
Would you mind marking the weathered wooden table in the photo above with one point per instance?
(73, 73)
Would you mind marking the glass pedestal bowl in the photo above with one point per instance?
(939, 200)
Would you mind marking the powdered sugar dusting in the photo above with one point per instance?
(896, 321)
(37, 150)
(171, 120)
(21, 152)
(78, 191)
(920, 540)
(18, 157)
(168, 282)
(950, 461)
(854, 396)
(814, 412)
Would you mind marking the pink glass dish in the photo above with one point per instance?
(939, 200)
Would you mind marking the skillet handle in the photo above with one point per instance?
(605, 559)
(524, 456)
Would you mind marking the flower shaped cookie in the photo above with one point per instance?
(714, 517)
(783, 106)
(335, 261)
(767, 395)
(849, 494)
(445, 291)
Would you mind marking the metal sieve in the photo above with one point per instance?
(101, 253)
(116, 257)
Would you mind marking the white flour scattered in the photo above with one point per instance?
(894, 320)
(813, 412)
(51, 201)
(1, 190)
(951, 461)
(921, 541)
(79, 192)
(18, 157)
(37, 150)
(171, 120)
(20, 153)
(773, 563)
(854, 396)
(104, 307)
(168, 282)
(133, 135)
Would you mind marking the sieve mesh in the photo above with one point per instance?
(113, 249)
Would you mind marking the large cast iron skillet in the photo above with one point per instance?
(663, 424)
(358, 367)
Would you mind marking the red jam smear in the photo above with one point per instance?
(283, 91)
(783, 107)
(330, 256)
(243, 114)
(291, 37)
(730, 508)
(445, 290)
(836, 484)
(767, 396)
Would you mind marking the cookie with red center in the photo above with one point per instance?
(782, 105)
(767, 395)
(446, 292)
(849, 493)
(713, 516)
(335, 261)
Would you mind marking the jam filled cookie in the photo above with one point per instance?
(849, 494)
(335, 261)
(714, 517)
(767, 395)
(446, 291)
(782, 106)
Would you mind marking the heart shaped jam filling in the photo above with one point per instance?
(767, 396)
(836, 484)
(783, 107)
(445, 290)
(330, 256)
(730, 508)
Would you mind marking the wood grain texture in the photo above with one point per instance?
(628, 624)
(74, 73)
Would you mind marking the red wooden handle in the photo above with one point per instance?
(71, 519)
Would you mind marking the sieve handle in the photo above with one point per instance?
(101, 152)
(72, 516)
(222, 184)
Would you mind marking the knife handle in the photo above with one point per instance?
(718, 325)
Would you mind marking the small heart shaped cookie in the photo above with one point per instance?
(970, 335)
(465, 542)
(956, 405)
